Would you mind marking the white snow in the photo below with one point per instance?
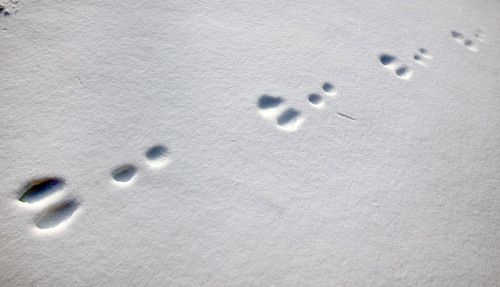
(394, 181)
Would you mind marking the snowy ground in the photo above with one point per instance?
(294, 143)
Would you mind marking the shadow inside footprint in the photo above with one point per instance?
(39, 189)
(57, 215)
(269, 102)
(124, 173)
(315, 100)
(156, 152)
(479, 34)
(468, 43)
(403, 72)
(386, 59)
(157, 155)
(329, 89)
(457, 35)
(289, 120)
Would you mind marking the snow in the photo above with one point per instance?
(391, 180)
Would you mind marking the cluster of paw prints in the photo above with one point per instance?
(422, 56)
(468, 43)
(289, 119)
(58, 209)
(8, 7)
(401, 70)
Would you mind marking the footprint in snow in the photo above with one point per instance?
(156, 156)
(467, 43)
(394, 65)
(316, 100)
(48, 192)
(45, 192)
(124, 174)
(274, 109)
(479, 35)
(56, 215)
(41, 189)
(422, 57)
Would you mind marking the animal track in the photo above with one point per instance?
(467, 43)
(274, 109)
(315, 100)
(124, 173)
(479, 34)
(329, 89)
(394, 65)
(43, 191)
(42, 188)
(8, 7)
(269, 106)
(39, 191)
(289, 120)
(268, 102)
(56, 215)
(157, 156)
(422, 56)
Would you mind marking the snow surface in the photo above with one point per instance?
(391, 179)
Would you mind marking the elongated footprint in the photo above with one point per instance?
(40, 189)
(57, 214)
(289, 120)
(124, 173)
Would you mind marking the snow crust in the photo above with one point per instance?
(389, 178)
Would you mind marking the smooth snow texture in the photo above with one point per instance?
(394, 181)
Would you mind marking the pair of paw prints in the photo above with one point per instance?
(466, 42)
(289, 119)
(422, 57)
(8, 7)
(401, 70)
(274, 109)
(156, 156)
(316, 100)
(394, 65)
(48, 193)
